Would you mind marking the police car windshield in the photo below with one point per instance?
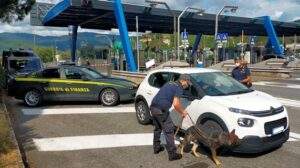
(219, 84)
(92, 73)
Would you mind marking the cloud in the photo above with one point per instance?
(278, 14)
(247, 8)
(296, 19)
(277, 9)
(49, 1)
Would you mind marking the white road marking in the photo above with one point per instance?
(276, 84)
(295, 135)
(55, 111)
(105, 141)
(289, 102)
(94, 142)
(292, 139)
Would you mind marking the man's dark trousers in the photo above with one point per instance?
(163, 123)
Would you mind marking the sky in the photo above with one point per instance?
(282, 10)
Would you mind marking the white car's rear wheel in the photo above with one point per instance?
(142, 112)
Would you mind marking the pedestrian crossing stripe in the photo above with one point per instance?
(64, 111)
(74, 143)
(95, 142)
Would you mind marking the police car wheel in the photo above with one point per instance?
(142, 112)
(32, 98)
(109, 97)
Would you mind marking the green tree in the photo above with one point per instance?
(46, 54)
(87, 51)
(14, 10)
(65, 55)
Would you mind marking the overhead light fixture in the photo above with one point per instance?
(200, 12)
(233, 10)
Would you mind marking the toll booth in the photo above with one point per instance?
(106, 15)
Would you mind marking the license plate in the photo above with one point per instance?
(278, 130)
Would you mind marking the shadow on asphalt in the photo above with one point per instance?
(24, 134)
(196, 165)
(203, 150)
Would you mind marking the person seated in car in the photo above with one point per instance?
(241, 72)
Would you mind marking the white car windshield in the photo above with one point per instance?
(219, 84)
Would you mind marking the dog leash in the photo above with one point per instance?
(197, 130)
(191, 119)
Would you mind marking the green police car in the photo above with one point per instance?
(71, 83)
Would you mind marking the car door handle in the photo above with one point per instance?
(68, 83)
(149, 92)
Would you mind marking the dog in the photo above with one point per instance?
(212, 140)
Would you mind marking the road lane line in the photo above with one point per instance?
(58, 111)
(105, 141)
(295, 135)
(277, 84)
(292, 139)
(289, 102)
(94, 142)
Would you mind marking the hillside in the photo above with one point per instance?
(25, 40)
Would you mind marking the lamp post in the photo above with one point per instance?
(147, 32)
(137, 44)
(199, 11)
(154, 3)
(233, 10)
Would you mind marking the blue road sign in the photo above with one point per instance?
(139, 46)
(222, 37)
(219, 37)
(252, 40)
(185, 35)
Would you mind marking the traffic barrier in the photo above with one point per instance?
(257, 73)
(132, 76)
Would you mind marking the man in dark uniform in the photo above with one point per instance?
(167, 96)
(241, 72)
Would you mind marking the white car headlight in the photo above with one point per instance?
(245, 122)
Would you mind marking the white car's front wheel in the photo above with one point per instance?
(211, 126)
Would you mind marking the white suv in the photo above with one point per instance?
(217, 101)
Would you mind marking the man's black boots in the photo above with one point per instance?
(158, 149)
(174, 156)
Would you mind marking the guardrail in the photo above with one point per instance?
(132, 76)
(274, 73)
(274, 70)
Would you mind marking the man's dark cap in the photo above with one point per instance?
(185, 77)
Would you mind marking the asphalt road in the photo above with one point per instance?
(62, 136)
